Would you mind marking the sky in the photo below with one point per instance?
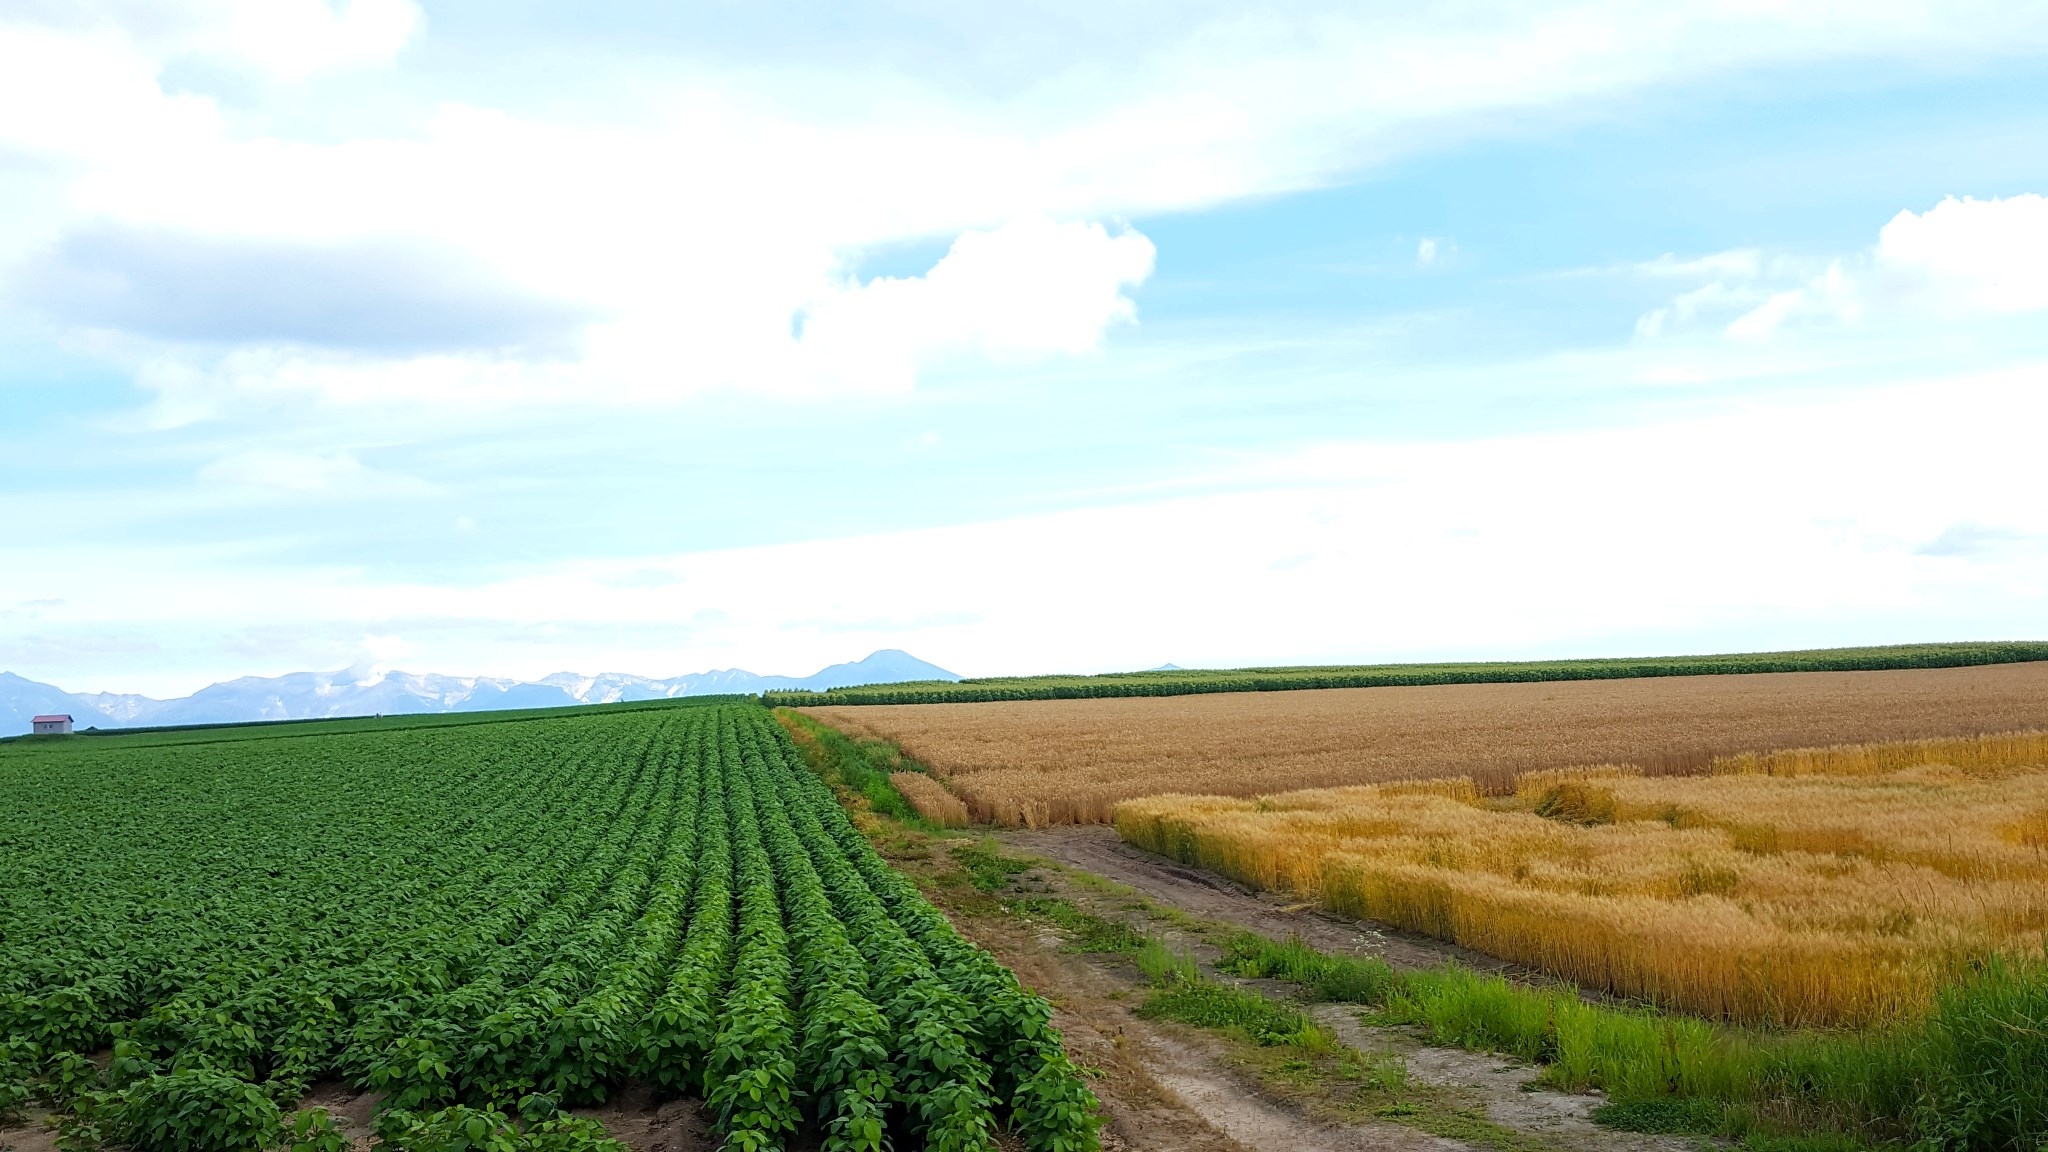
(509, 338)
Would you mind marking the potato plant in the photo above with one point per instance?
(487, 923)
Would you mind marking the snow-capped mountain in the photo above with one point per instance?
(303, 695)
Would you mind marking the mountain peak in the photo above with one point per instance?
(352, 692)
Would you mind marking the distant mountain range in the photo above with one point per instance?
(306, 695)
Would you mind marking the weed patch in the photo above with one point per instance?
(854, 768)
(1341, 979)
(1247, 1015)
(1088, 933)
(1162, 965)
(1669, 1115)
(986, 866)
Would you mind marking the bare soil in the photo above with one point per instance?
(1497, 1087)
(350, 1107)
(1096, 849)
(1189, 1067)
(28, 1136)
(635, 1118)
(1498, 1084)
(1164, 1088)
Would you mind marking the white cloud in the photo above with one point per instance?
(296, 38)
(1716, 297)
(380, 655)
(86, 97)
(1756, 524)
(1966, 538)
(1736, 263)
(86, 87)
(1969, 254)
(1832, 296)
(288, 39)
(1961, 258)
(275, 474)
(711, 202)
(1028, 289)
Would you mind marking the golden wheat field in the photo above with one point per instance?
(931, 799)
(1064, 761)
(1820, 887)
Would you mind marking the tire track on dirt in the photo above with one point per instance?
(1096, 848)
(1495, 1082)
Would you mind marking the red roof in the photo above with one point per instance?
(48, 719)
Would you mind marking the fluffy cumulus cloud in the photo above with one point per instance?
(1028, 289)
(1971, 254)
(1962, 258)
(459, 235)
(300, 37)
(484, 256)
(372, 322)
(83, 83)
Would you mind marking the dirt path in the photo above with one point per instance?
(1499, 1085)
(1223, 1101)
(1495, 1086)
(1096, 848)
(1163, 1088)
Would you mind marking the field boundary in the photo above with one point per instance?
(1190, 682)
(1964, 1076)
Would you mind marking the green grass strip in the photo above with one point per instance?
(1088, 932)
(1971, 1076)
(860, 766)
(1343, 979)
(986, 866)
(1235, 1011)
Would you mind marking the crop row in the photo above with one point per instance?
(495, 920)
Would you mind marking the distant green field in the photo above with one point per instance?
(1187, 682)
(343, 725)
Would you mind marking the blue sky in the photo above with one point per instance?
(501, 338)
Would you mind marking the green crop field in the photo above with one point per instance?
(1191, 681)
(488, 922)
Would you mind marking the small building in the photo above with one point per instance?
(49, 725)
